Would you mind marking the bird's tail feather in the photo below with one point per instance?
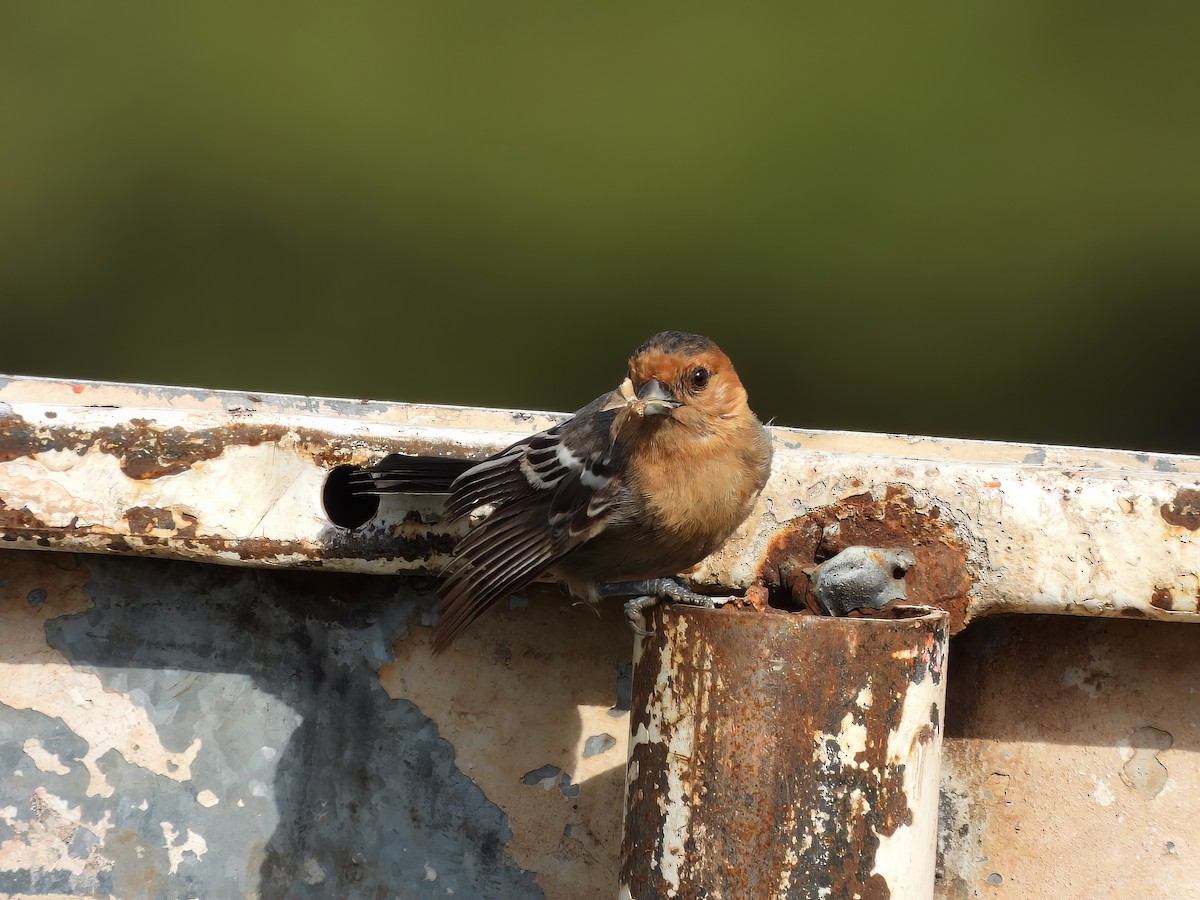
(400, 473)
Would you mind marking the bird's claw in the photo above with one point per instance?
(635, 614)
(649, 593)
(590, 606)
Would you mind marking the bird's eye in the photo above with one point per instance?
(699, 378)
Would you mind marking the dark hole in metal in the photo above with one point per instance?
(898, 573)
(342, 505)
(895, 612)
(787, 599)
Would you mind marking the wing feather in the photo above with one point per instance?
(549, 493)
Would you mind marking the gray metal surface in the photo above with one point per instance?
(182, 730)
(1071, 755)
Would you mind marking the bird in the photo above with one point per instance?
(637, 486)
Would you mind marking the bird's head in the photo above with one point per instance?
(684, 378)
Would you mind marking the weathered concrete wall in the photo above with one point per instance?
(171, 729)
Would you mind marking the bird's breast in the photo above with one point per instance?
(699, 490)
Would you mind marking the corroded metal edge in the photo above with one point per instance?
(236, 478)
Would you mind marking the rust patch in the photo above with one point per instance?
(147, 451)
(13, 519)
(940, 577)
(144, 519)
(1162, 598)
(10, 446)
(411, 542)
(1184, 510)
(189, 526)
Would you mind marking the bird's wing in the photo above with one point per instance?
(549, 493)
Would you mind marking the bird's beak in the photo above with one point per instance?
(656, 399)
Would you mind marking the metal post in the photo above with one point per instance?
(777, 755)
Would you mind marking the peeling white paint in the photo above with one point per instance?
(851, 742)
(35, 676)
(43, 844)
(193, 844)
(905, 858)
(43, 758)
(791, 855)
(63, 488)
(676, 807)
(1102, 793)
(679, 735)
(207, 799)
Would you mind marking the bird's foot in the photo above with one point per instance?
(648, 595)
(635, 614)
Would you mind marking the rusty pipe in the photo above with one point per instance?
(775, 755)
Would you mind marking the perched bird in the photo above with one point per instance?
(638, 485)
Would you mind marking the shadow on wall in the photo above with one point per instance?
(1073, 680)
(191, 730)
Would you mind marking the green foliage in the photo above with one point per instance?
(973, 220)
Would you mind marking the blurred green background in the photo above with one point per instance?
(959, 219)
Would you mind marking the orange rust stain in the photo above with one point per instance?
(1184, 510)
(940, 577)
(144, 519)
(1162, 598)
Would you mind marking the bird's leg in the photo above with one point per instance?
(647, 594)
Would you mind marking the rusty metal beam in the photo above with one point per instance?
(238, 478)
(785, 756)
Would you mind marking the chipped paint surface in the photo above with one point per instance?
(36, 677)
(520, 701)
(670, 726)
(317, 771)
(784, 755)
(45, 842)
(178, 845)
(235, 478)
(904, 858)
